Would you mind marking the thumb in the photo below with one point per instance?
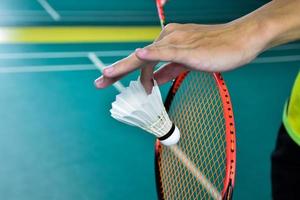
(157, 53)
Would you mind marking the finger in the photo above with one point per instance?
(124, 66)
(103, 82)
(147, 76)
(168, 72)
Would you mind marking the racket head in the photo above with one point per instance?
(199, 104)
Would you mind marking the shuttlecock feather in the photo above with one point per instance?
(133, 106)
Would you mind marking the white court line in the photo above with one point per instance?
(276, 59)
(45, 68)
(213, 191)
(294, 46)
(26, 19)
(100, 66)
(81, 54)
(109, 19)
(50, 10)
(46, 55)
(82, 67)
(80, 19)
(110, 12)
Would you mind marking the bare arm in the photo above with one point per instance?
(212, 47)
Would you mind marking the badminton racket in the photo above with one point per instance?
(202, 165)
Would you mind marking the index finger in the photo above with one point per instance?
(124, 66)
(121, 69)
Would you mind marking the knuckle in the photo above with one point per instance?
(171, 27)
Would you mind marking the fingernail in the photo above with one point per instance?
(108, 70)
(98, 82)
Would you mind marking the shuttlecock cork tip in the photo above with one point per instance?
(172, 137)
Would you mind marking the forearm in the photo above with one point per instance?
(277, 22)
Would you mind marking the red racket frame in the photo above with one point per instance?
(230, 135)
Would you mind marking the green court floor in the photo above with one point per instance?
(57, 139)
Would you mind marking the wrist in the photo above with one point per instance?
(254, 35)
(283, 30)
(279, 22)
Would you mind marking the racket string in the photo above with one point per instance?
(194, 109)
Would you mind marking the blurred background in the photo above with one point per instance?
(57, 139)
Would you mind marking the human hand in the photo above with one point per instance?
(211, 48)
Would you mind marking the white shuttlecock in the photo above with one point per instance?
(135, 107)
